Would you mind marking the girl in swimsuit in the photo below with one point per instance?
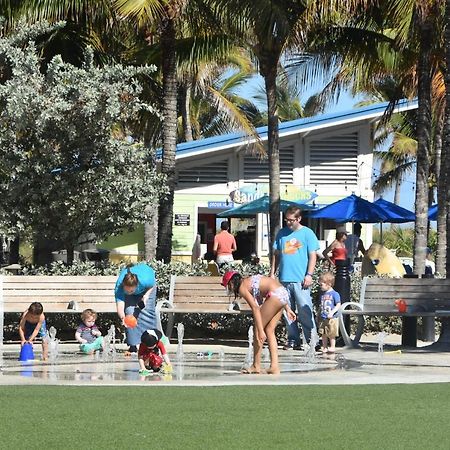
(267, 298)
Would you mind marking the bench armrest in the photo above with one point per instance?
(347, 304)
(349, 342)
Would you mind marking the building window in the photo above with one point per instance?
(256, 170)
(204, 175)
(334, 160)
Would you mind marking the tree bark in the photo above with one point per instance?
(439, 170)
(165, 222)
(446, 143)
(270, 77)
(151, 234)
(185, 113)
(423, 146)
(14, 251)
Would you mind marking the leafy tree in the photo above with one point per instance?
(67, 168)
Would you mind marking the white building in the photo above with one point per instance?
(328, 156)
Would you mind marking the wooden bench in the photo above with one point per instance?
(58, 294)
(425, 297)
(203, 295)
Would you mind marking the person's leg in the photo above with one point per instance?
(333, 333)
(324, 343)
(43, 335)
(44, 349)
(257, 350)
(332, 347)
(270, 309)
(293, 334)
(147, 316)
(133, 334)
(273, 345)
(304, 309)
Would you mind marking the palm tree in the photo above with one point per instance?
(401, 39)
(446, 143)
(268, 29)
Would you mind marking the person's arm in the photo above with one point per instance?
(234, 245)
(22, 328)
(164, 353)
(79, 338)
(334, 310)
(361, 247)
(312, 258)
(96, 331)
(141, 363)
(337, 304)
(36, 329)
(216, 245)
(275, 263)
(259, 330)
(289, 313)
(326, 253)
(120, 306)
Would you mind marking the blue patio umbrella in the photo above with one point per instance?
(260, 205)
(351, 209)
(432, 212)
(396, 214)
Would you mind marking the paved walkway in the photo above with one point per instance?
(213, 365)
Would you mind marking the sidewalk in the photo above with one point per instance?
(218, 365)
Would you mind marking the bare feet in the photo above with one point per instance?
(251, 370)
(273, 370)
(323, 349)
(331, 350)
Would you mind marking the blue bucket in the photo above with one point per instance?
(26, 352)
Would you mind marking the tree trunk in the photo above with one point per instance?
(270, 77)
(439, 170)
(445, 147)
(165, 222)
(14, 251)
(185, 113)
(151, 234)
(423, 147)
(446, 143)
(397, 189)
(70, 253)
(42, 250)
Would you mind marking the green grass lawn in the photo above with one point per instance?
(234, 417)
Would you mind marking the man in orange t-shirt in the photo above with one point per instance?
(224, 244)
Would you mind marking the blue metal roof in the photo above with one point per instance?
(291, 127)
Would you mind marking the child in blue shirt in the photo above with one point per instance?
(330, 302)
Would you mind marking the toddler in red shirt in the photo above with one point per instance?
(152, 353)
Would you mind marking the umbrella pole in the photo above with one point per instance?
(381, 233)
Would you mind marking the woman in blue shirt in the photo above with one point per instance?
(135, 294)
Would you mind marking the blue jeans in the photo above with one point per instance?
(301, 304)
(146, 318)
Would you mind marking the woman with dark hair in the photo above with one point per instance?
(135, 294)
(337, 249)
(267, 298)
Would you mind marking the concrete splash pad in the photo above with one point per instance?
(212, 368)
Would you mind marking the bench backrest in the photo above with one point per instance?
(428, 294)
(201, 294)
(56, 292)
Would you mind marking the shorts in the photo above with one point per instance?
(329, 328)
(281, 294)
(93, 346)
(29, 328)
